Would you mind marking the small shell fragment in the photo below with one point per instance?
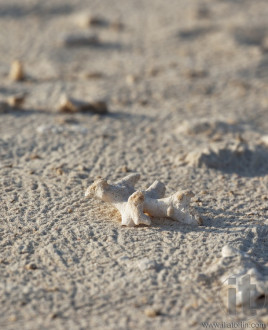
(31, 266)
(71, 105)
(151, 312)
(16, 100)
(87, 19)
(131, 79)
(16, 71)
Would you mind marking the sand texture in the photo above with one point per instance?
(186, 86)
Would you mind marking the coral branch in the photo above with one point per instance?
(133, 204)
(129, 180)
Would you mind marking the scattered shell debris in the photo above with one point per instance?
(233, 269)
(71, 105)
(80, 39)
(137, 206)
(16, 71)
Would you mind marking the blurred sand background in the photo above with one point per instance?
(178, 77)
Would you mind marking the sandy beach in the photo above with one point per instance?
(186, 88)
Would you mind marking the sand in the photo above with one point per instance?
(65, 261)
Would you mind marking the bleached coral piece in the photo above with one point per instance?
(135, 205)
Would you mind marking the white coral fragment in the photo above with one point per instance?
(136, 206)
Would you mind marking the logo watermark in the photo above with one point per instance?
(233, 325)
(241, 296)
